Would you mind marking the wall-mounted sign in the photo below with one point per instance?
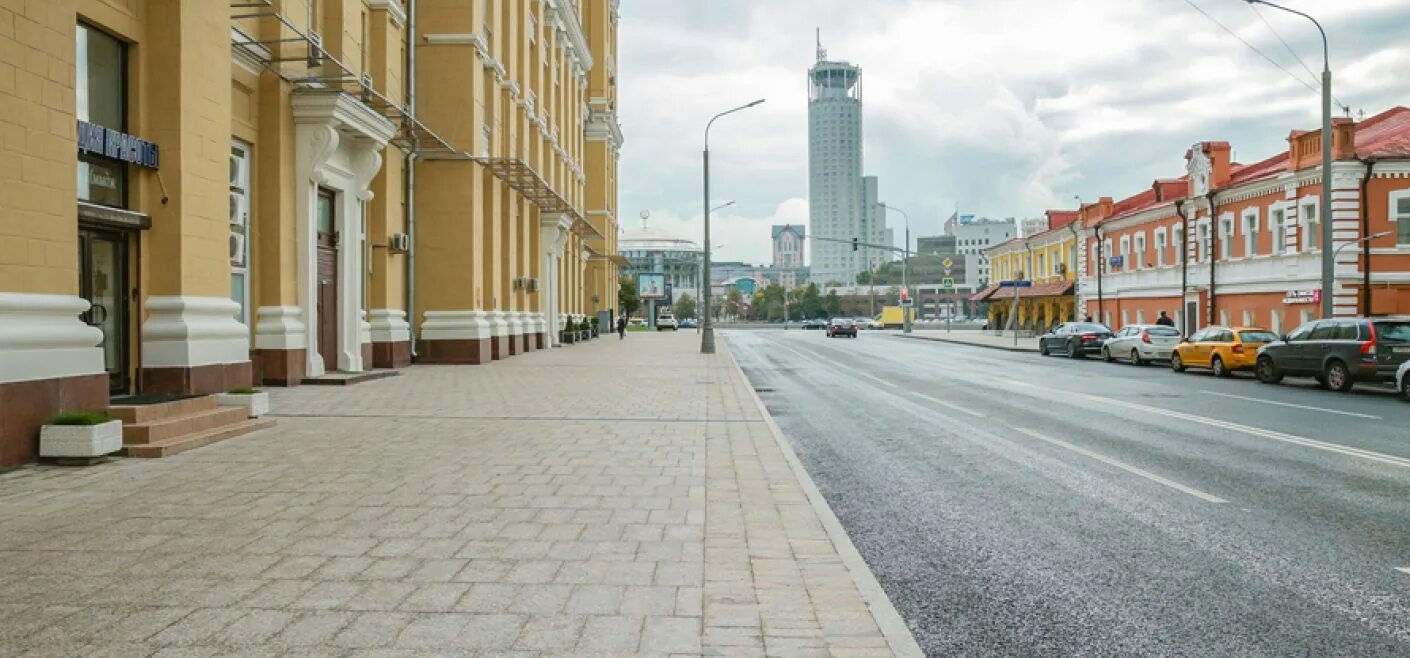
(947, 282)
(1303, 297)
(1116, 261)
(97, 140)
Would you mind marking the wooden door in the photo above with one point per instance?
(327, 277)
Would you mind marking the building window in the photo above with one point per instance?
(1226, 238)
(1203, 241)
(1402, 221)
(1140, 255)
(1280, 232)
(1178, 242)
(1250, 232)
(1125, 253)
(1311, 228)
(1160, 246)
(101, 98)
(240, 228)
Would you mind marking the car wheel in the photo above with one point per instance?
(1072, 351)
(1106, 355)
(1267, 371)
(1217, 365)
(1405, 388)
(1338, 377)
(1176, 363)
(1136, 358)
(1042, 347)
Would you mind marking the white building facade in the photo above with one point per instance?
(973, 238)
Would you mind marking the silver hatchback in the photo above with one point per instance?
(1139, 343)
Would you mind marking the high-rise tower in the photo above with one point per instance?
(839, 208)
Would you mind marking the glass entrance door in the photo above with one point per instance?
(102, 257)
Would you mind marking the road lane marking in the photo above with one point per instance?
(817, 356)
(1405, 570)
(1295, 406)
(1257, 431)
(1126, 467)
(949, 405)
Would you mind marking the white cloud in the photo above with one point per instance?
(1005, 106)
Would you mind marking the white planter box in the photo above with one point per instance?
(78, 441)
(257, 404)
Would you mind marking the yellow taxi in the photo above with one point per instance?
(1221, 349)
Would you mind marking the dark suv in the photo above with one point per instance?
(1338, 352)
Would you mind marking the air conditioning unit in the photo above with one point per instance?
(315, 49)
(1062, 268)
(237, 249)
(236, 167)
(238, 214)
(399, 243)
(533, 284)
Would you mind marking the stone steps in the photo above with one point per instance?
(186, 442)
(164, 428)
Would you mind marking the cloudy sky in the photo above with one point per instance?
(1006, 107)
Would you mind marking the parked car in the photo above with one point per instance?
(636, 322)
(1140, 343)
(862, 323)
(688, 323)
(1224, 350)
(1339, 352)
(1402, 380)
(842, 327)
(1075, 339)
(665, 321)
(814, 324)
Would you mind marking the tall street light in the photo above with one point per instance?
(1328, 259)
(905, 270)
(707, 333)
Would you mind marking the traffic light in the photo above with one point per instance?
(854, 244)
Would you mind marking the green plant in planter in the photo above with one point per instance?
(80, 418)
(243, 390)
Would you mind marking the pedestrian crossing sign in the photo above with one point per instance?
(947, 283)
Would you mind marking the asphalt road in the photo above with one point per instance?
(1012, 504)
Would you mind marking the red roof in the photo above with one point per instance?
(1241, 173)
(1385, 135)
(1060, 218)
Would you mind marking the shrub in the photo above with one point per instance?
(80, 418)
(243, 390)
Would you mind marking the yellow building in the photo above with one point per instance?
(358, 192)
(1046, 260)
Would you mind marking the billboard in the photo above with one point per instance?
(651, 286)
(745, 286)
(966, 220)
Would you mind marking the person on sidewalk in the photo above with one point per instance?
(1164, 320)
(621, 327)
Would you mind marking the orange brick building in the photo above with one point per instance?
(1231, 243)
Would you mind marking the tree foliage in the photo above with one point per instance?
(627, 299)
(684, 306)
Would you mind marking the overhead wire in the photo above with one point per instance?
(1254, 8)
(1314, 88)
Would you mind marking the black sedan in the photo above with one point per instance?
(1075, 339)
(842, 327)
(814, 324)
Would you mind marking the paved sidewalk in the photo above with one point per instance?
(611, 498)
(976, 338)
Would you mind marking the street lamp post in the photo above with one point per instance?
(1328, 257)
(707, 332)
(702, 287)
(905, 269)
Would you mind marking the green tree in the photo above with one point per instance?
(734, 304)
(627, 298)
(684, 306)
(809, 303)
(831, 304)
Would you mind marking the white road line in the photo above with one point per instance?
(1405, 570)
(1295, 406)
(1127, 467)
(1257, 431)
(850, 372)
(949, 405)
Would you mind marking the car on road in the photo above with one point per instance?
(1339, 352)
(1140, 343)
(842, 327)
(1224, 350)
(814, 324)
(665, 321)
(1075, 339)
(1402, 380)
(688, 323)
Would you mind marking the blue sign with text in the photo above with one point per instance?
(1015, 284)
(97, 140)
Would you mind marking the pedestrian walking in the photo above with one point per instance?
(1088, 318)
(621, 327)
(1164, 320)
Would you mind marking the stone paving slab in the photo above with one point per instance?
(613, 498)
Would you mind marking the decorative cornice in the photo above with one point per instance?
(475, 40)
(567, 20)
(392, 7)
(333, 107)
